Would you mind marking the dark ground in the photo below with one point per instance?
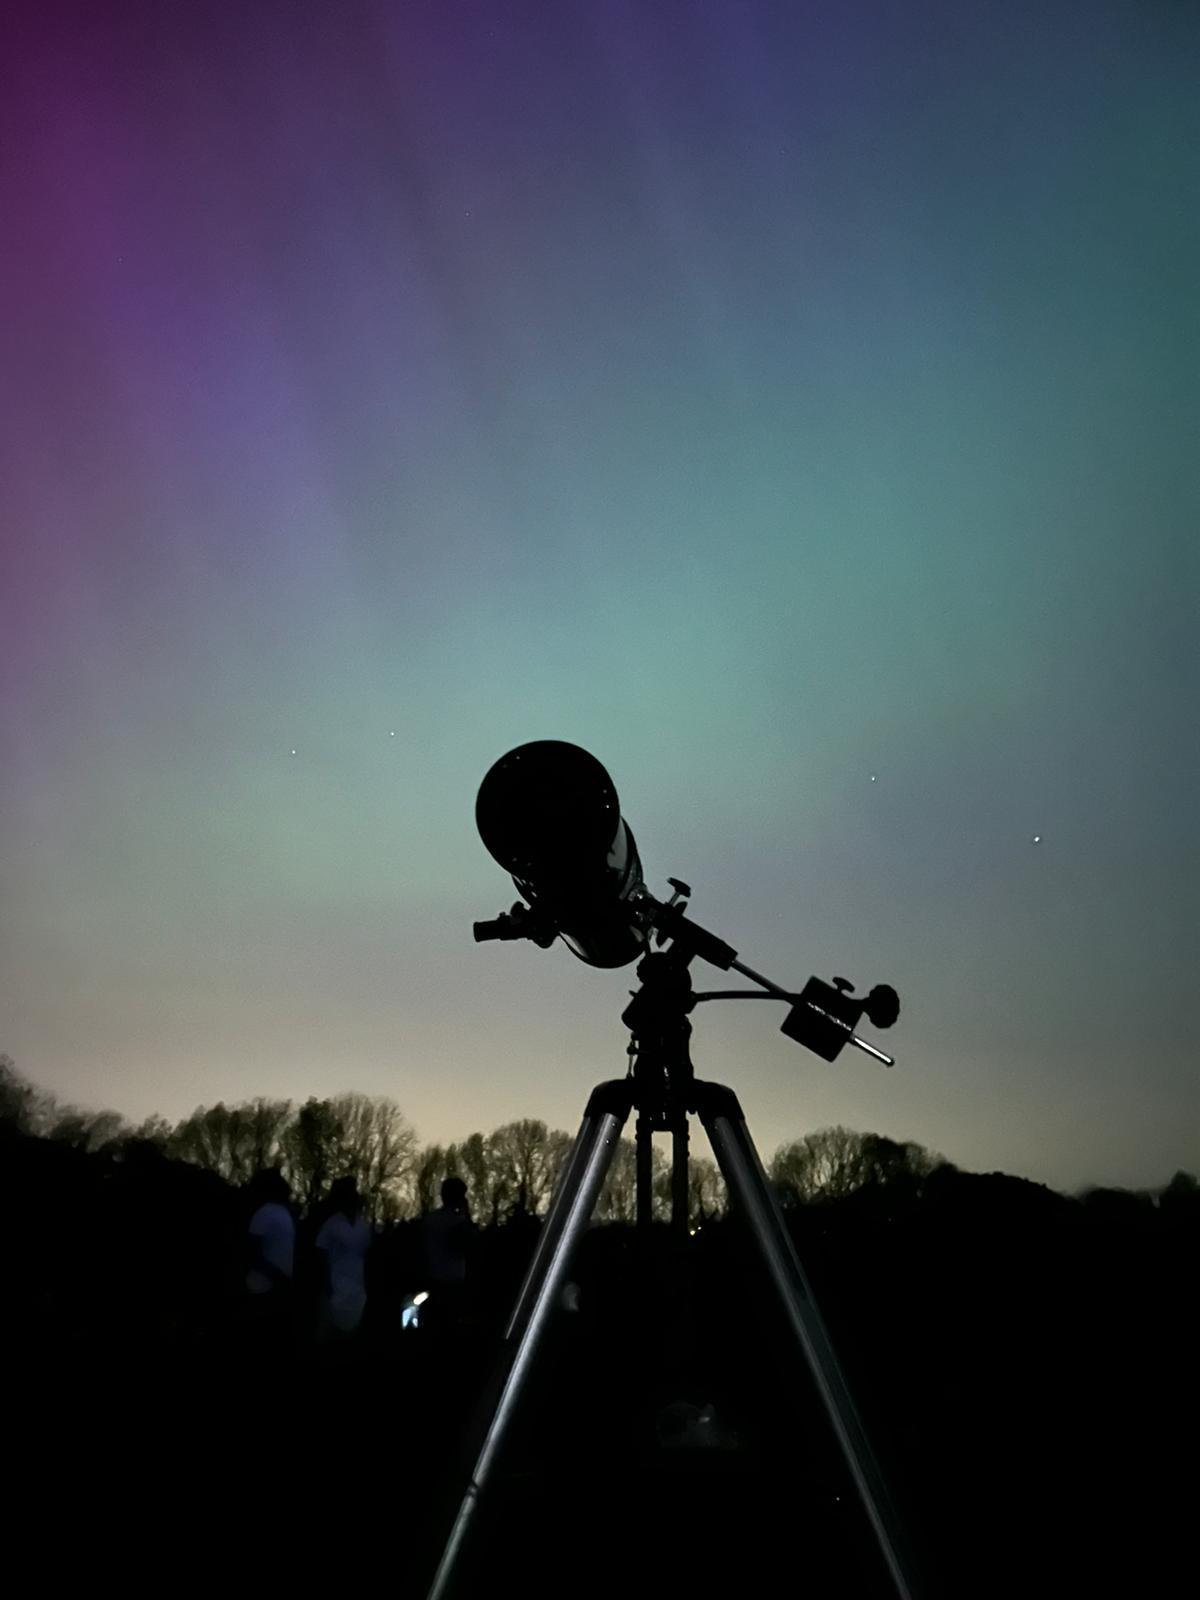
(1025, 1365)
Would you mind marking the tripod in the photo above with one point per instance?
(664, 1091)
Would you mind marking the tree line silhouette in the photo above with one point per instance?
(510, 1172)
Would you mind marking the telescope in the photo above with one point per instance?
(548, 813)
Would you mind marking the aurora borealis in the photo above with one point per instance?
(794, 404)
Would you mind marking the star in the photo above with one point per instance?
(1037, 838)
(872, 777)
(293, 752)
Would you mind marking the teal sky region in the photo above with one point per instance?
(794, 404)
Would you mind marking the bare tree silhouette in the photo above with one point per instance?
(835, 1162)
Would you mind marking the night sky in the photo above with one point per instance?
(794, 404)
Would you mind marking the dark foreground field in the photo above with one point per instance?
(1024, 1363)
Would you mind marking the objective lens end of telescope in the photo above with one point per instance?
(548, 813)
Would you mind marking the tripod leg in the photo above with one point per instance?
(679, 1174)
(572, 1207)
(747, 1182)
(548, 1236)
(644, 1169)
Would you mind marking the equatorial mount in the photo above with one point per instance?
(823, 1016)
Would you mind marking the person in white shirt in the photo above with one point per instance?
(342, 1246)
(272, 1236)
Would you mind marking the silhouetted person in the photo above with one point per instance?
(270, 1264)
(342, 1246)
(447, 1236)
